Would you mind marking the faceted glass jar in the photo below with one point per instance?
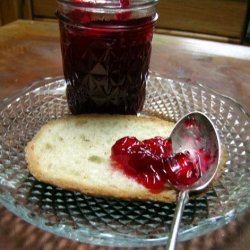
(106, 48)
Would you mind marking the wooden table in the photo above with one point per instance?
(30, 51)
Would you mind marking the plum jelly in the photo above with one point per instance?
(106, 54)
(152, 163)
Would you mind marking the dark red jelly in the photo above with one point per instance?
(152, 164)
(105, 61)
(183, 170)
(142, 160)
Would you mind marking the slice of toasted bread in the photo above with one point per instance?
(74, 153)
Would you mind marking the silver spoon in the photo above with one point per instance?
(194, 132)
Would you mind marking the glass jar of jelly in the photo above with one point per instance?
(106, 48)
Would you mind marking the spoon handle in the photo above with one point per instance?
(181, 202)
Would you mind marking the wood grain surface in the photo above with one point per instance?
(215, 17)
(30, 51)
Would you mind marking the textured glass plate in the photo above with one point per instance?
(109, 221)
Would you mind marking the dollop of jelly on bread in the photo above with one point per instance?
(152, 163)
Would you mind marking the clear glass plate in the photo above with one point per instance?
(113, 222)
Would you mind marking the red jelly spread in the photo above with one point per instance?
(152, 164)
(105, 61)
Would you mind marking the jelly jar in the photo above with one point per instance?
(106, 48)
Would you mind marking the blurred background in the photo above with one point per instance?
(219, 20)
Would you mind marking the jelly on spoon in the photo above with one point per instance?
(196, 134)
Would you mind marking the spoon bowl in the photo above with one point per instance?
(196, 134)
